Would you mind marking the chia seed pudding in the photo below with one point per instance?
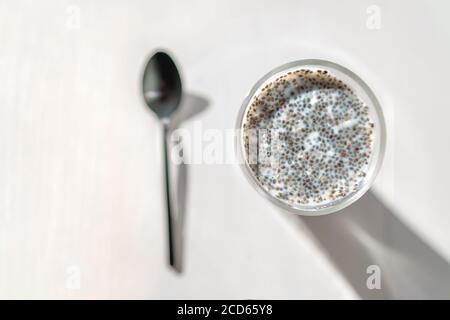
(308, 138)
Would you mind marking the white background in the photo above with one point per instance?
(81, 197)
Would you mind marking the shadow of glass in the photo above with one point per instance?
(367, 233)
(191, 105)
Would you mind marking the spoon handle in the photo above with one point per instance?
(169, 198)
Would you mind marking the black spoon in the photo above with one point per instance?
(162, 92)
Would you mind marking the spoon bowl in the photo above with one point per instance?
(161, 85)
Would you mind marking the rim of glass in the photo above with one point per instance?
(379, 138)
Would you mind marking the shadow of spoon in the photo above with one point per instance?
(191, 105)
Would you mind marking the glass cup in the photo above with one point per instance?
(379, 135)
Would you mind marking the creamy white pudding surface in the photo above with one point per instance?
(308, 138)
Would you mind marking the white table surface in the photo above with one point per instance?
(81, 197)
